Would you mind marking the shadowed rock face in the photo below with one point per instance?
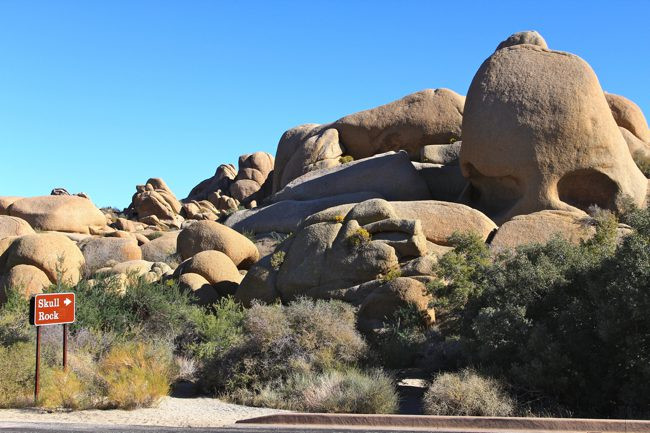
(538, 134)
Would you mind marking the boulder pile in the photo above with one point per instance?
(361, 209)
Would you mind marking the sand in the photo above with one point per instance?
(171, 412)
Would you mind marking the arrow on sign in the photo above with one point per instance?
(67, 301)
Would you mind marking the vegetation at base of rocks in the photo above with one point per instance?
(346, 159)
(359, 237)
(334, 391)
(401, 339)
(277, 259)
(306, 339)
(467, 393)
(153, 235)
(250, 235)
(391, 275)
(564, 321)
(643, 162)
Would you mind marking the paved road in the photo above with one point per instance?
(15, 427)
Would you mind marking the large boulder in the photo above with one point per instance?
(445, 182)
(441, 219)
(425, 117)
(285, 216)
(217, 269)
(382, 303)
(254, 169)
(161, 249)
(628, 115)
(533, 142)
(53, 253)
(220, 181)
(62, 213)
(27, 279)
(5, 202)
(530, 37)
(541, 227)
(106, 251)
(154, 199)
(14, 226)
(210, 235)
(390, 175)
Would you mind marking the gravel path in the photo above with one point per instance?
(172, 412)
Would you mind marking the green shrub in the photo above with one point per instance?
(359, 237)
(392, 275)
(277, 259)
(14, 319)
(154, 235)
(402, 338)
(347, 391)
(250, 235)
(563, 320)
(346, 159)
(467, 394)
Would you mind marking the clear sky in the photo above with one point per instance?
(98, 96)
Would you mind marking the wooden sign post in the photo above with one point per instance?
(50, 309)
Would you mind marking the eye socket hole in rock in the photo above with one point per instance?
(491, 195)
(585, 187)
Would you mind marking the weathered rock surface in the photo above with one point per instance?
(101, 252)
(5, 202)
(441, 219)
(533, 141)
(205, 294)
(154, 199)
(628, 115)
(161, 249)
(425, 117)
(210, 235)
(61, 213)
(387, 298)
(286, 216)
(217, 269)
(223, 177)
(441, 153)
(390, 175)
(445, 182)
(27, 279)
(53, 253)
(14, 226)
(530, 37)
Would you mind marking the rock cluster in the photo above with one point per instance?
(361, 209)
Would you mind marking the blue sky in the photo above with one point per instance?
(98, 96)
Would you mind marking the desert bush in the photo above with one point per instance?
(391, 275)
(136, 374)
(14, 319)
(16, 374)
(347, 391)
(339, 218)
(61, 389)
(153, 235)
(359, 237)
(467, 393)
(402, 338)
(563, 320)
(278, 341)
(277, 259)
(249, 234)
(346, 159)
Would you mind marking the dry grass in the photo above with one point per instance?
(62, 389)
(467, 393)
(16, 375)
(136, 375)
(349, 391)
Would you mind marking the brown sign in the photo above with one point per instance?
(52, 309)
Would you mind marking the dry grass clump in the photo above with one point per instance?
(346, 159)
(359, 237)
(277, 259)
(136, 375)
(467, 393)
(347, 391)
(16, 375)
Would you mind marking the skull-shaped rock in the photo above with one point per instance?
(538, 134)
